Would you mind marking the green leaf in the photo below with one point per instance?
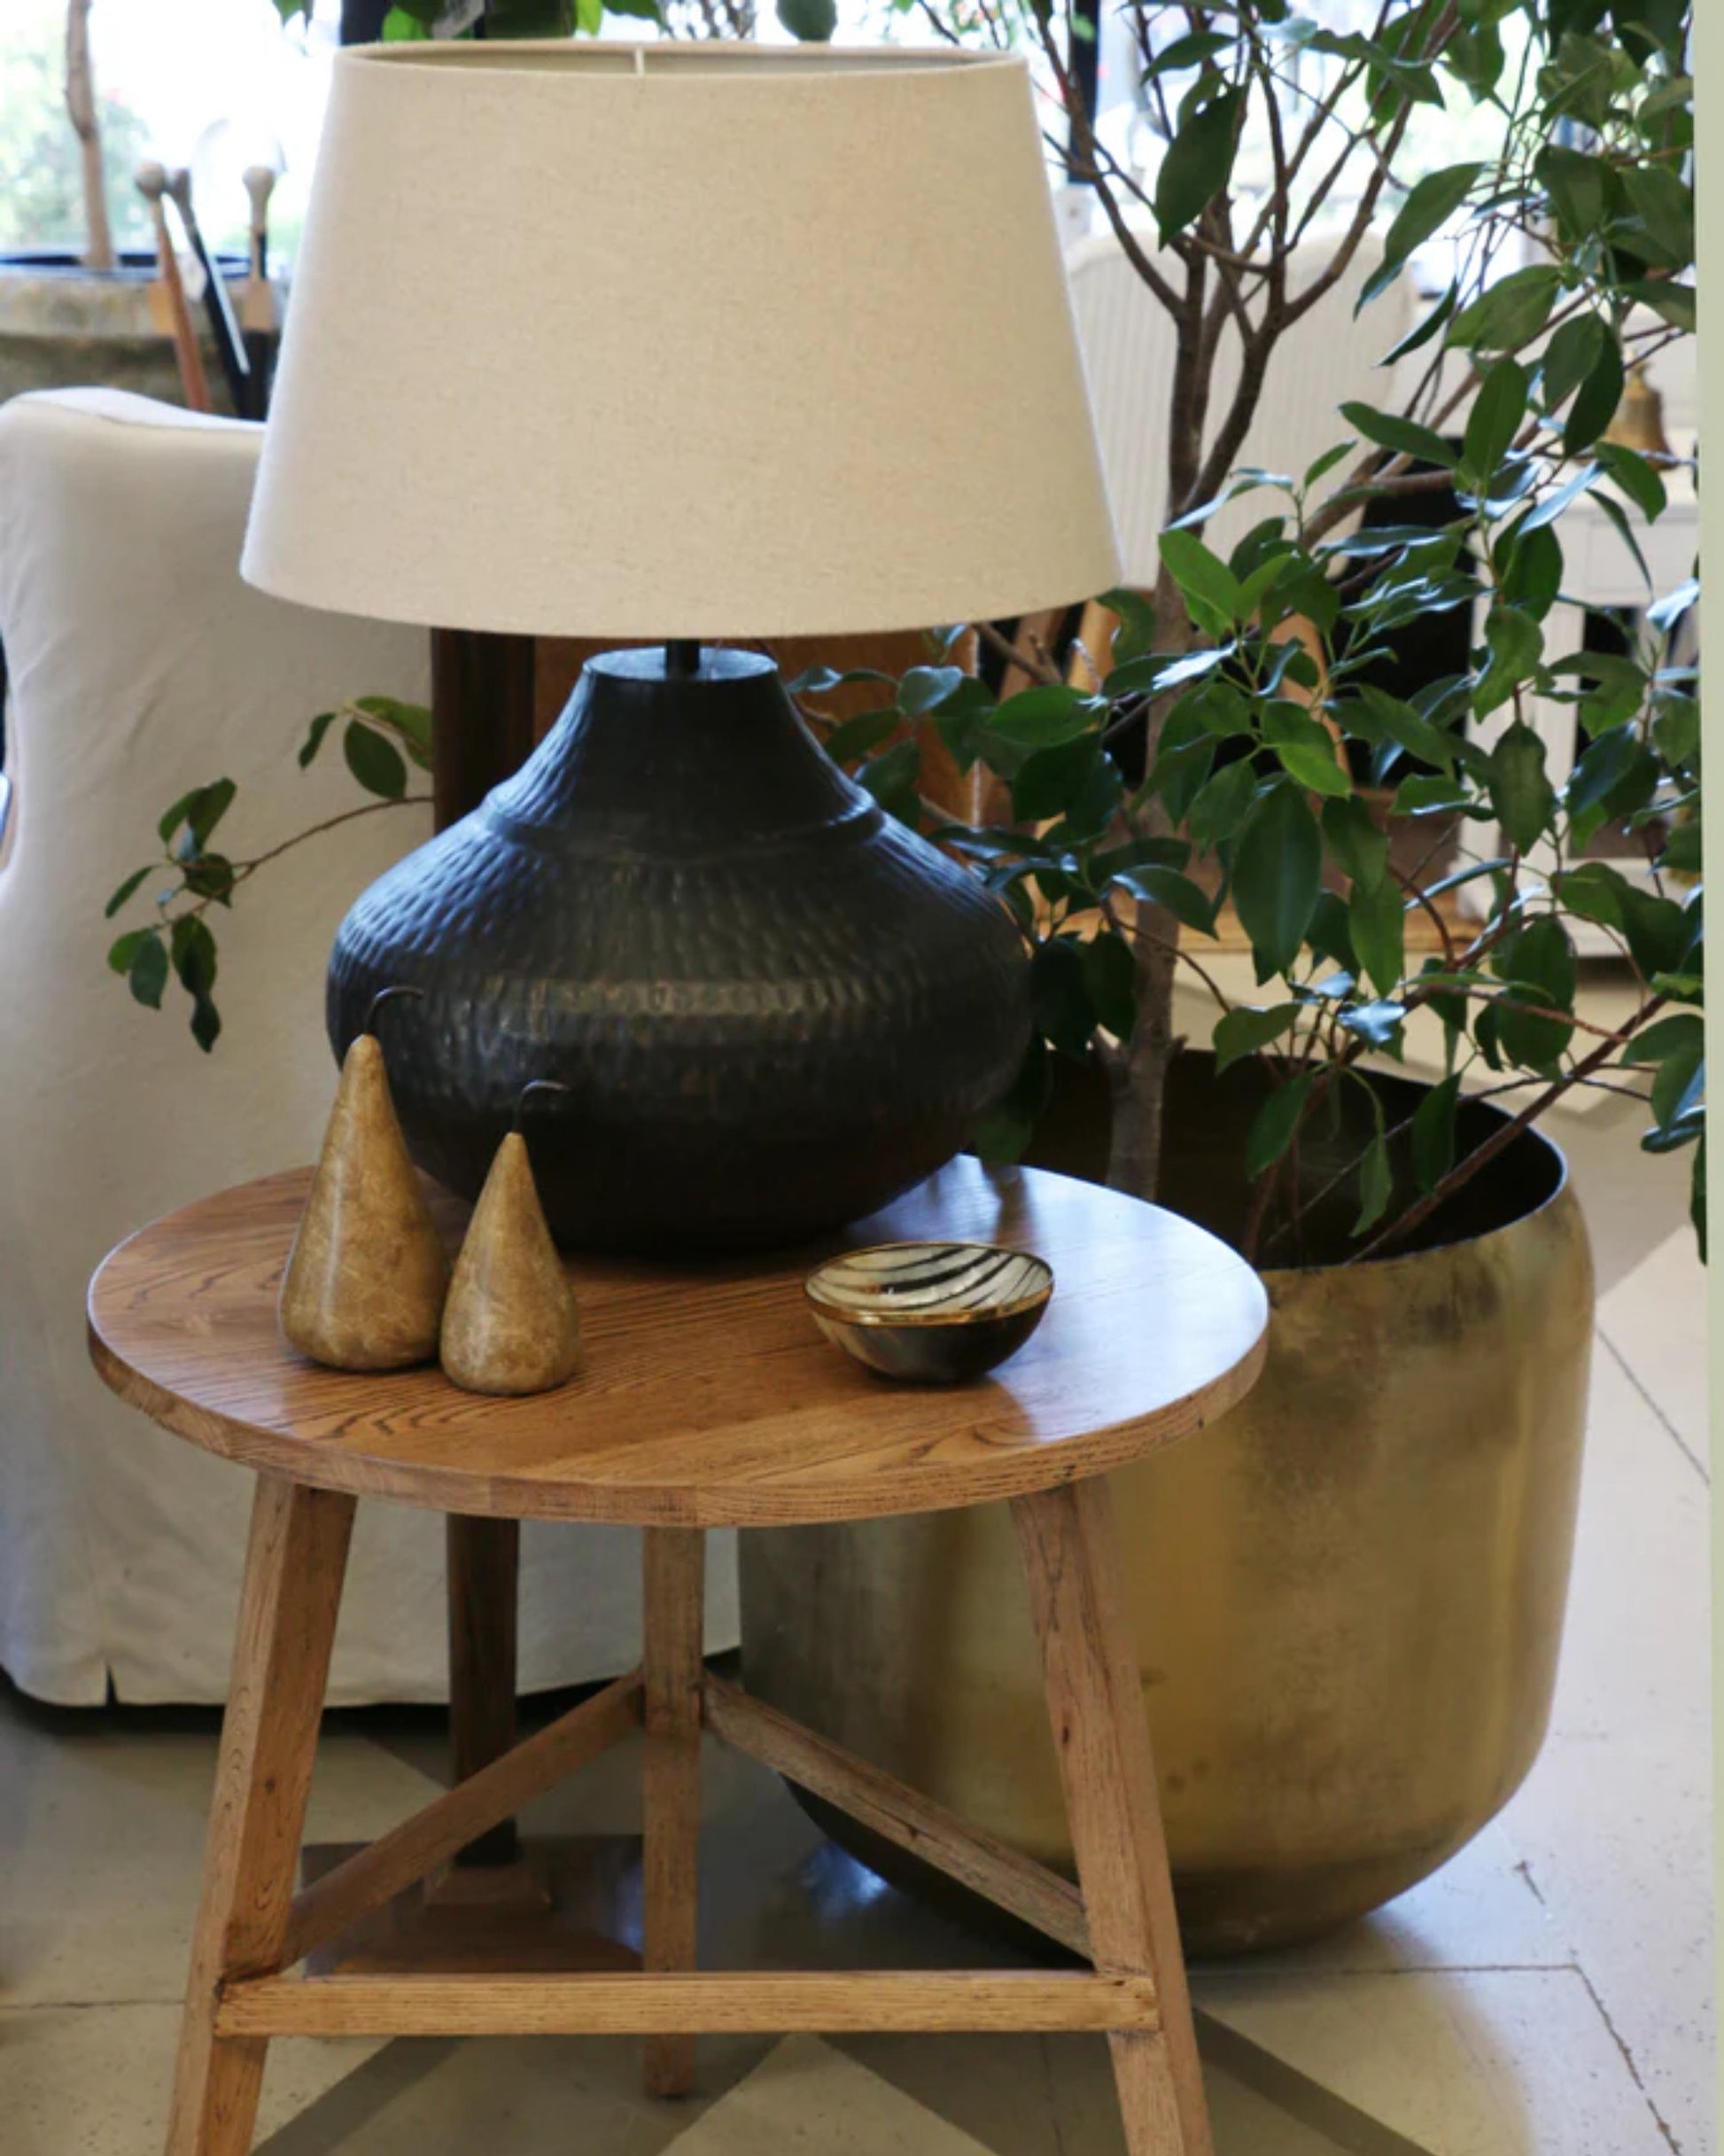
(861, 735)
(1274, 1124)
(148, 970)
(1246, 1029)
(1198, 164)
(1210, 590)
(1497, 411)
(1306, 748)
(1188, 51)
(206, 1022)
(1092, 805)
(1635, 477)
(1595, 401)
(1594, 890)
(894, 778)
(1532, 566)
(1406, 728)
(1569, 357)
(1330, 936)
(821, 680)
(1406, 437)
(1521, 797)
(1220, 804)
(1188, 902)
(1320, 467)
(1537, 961)
(1357, 843)
(1428, 207)
(1663, 202)
(126, 889)
(412, 722)
(923, 687)
(1375, 1184)
(1134, 854)
(1676, 303)
(1043, 717)
(1278, 873)
(1060, 995)
(811, 21)
(125, 948)
(1377, 921)
(1679, 1086)
(1657, 930)
(1510, 312)
(314, 740)
(1684, 849)
(1433, 1133)
(1550, 506)
(1676, 1035)
(1049, 782)
(1003, 1133)
(199, 810)
(1516, 645)
(1603, 766)
(374, 761)
(1110, 976)
(961, 722)
(194, 954)
(211, 875)
(1579, 188)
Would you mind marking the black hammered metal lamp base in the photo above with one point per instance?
(770, 1006)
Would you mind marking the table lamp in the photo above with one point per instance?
(685, 342)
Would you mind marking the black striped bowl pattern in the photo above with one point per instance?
(932, 1313)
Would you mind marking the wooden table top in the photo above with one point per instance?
(708, 1397)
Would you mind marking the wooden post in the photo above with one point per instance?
(1095, 1703)
(481, 731)
(294, 1568)
(481, 716)
(484, 1558)
(673, 1562)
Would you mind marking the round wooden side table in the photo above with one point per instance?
(708, 1400)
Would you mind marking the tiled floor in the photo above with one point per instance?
(1548, 1994)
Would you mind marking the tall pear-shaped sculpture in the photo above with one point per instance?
(509, 1325)
(368, 1275)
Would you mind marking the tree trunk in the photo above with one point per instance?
(1140, 1070)
(86, 125)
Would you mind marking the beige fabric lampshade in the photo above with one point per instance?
(679, 341)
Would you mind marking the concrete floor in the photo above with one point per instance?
(1548, 1991)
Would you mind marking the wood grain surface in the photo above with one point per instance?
(773, 2002)
(1072, 1562)
(708, 1398)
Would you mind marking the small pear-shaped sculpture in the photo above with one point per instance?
(509, 1325)
(367, 1276)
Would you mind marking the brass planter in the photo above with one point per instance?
(1348, 1593)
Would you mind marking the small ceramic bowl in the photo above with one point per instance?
(934, 1313)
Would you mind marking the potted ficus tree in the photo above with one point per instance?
(1350, 1593)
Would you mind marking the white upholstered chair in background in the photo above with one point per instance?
(1326, 359)
(140, 666)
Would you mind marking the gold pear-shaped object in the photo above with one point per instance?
(509, 1325)
(366, 1275)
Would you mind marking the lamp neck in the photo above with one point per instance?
(682, 659)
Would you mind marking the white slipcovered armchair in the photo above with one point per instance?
(140, 666)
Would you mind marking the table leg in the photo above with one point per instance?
(1095, 1701)
(673, 1563)
(483, 1562)
(294, 1567)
